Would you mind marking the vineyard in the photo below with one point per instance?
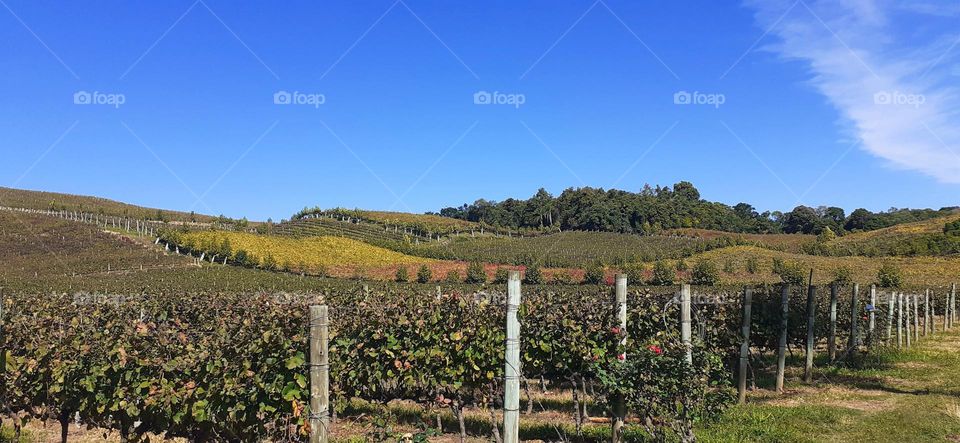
(234, 366)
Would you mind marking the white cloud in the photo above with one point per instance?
(888, 67)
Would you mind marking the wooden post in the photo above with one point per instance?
(873, 316)
(953, 304)
(811, 319)
(511, 371)
(685, 327)
(946, 313)
(854, 312)
(890, 308)
(906, 307)
(933, 319)
(832, 338)
(916, 319)
(619, 405)
(319, 375)
(926, 313)
(744, 346)
(899, 320)
(782, 348)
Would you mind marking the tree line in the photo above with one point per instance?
(654, 209)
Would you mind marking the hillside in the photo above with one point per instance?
(908, 239)
(37, 246)
(20, 198)
(783, 242)
(917, 271)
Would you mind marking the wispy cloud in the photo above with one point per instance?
(889, 67)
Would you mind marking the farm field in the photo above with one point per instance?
(19, 198)
(176, 303)
(564, 250)
(917, 271)
(794, 243)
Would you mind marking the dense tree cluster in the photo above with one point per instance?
(656, 208)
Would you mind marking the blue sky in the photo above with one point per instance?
(849, 103)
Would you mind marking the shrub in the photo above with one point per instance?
(789, 273)
(663, 274)
(704, 273)
(532, 276)
(752, 265)
(594, 274)
(826, 235)
(424, 274)
(682, 265)
(729, 267)
(841, 276)
(635, 273)
(562, 277)
(402, 275)
(501, 276)
(889, 276)
(476, 274)
(952, 229)
(453, 276)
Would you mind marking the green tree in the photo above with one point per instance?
(826, 235)
(475, 273)
(789, 273)
(424, 274)
(453, 276)
(532, 275)
(401, 275)
(889, 276)
(594, 274)
(663, 274)
(704, 273)
(501, 276)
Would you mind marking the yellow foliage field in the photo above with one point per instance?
(311, 252)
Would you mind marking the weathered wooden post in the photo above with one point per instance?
(511, 371)
(933, 318)
(686, 334)
(319, 375)
(946, 312)
(926, 313)
(873, 316)
(782, 348)
(744, 346)
(906, 307)
(899, 320)
(619, 405)
(891, 305)
(916, 319)
(811, 319)
(953, 303)
(854, 312)
(832, 338)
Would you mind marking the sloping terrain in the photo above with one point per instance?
(916, 238)
(33, 246)
(20, 198)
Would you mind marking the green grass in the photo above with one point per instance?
(888, 396)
